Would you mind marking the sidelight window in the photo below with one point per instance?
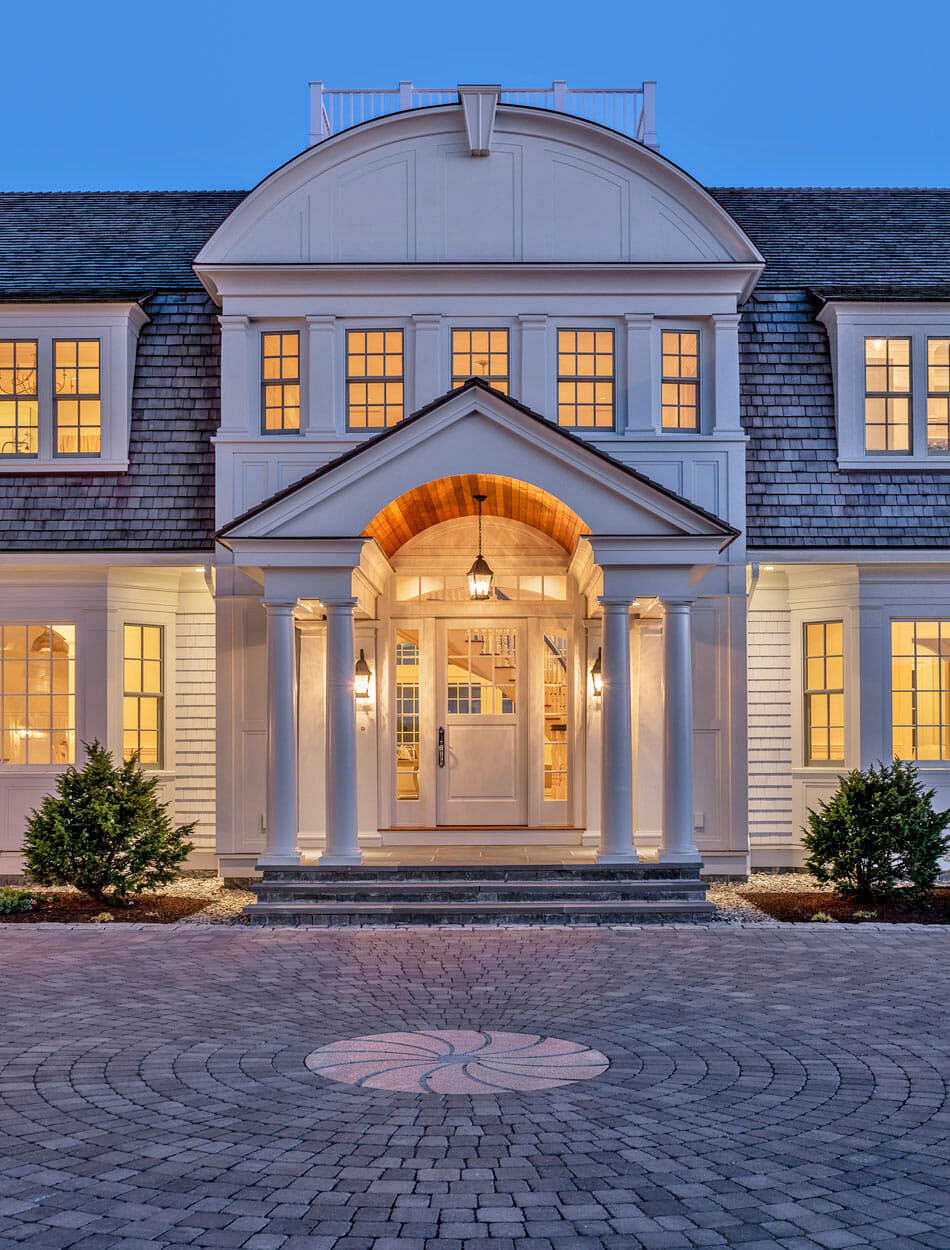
(555, 716)
(407, 713)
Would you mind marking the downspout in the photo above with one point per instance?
(753, 582)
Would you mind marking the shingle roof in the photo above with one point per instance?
(857, 242)
(104, 244)
(877, 242)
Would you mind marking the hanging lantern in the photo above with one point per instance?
(597, 676)
(361, 677)
(480, 576)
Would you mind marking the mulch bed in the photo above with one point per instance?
(70, 908)
(934, 909)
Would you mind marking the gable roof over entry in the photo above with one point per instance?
(474, 430)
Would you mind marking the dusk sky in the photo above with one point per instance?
(211, 95)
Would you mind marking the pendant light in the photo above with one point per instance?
(480, 576)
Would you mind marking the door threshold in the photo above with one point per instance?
(482, 835)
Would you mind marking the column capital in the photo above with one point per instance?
(341, 605)
(277, 607)
(615, 603)
(426, 319)
(533, 321)
(678, 603)
(233, 321)
(638, 321)
(321, 321)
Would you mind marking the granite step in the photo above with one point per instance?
(542, 911)
(477, 891)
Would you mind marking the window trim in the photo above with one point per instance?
(77, 395)
(808, 691)
(284, 431)
(595, 430)
(456, 380)
(139, 695)
(348, 378)
(17, 456)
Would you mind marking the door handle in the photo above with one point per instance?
(441, 747)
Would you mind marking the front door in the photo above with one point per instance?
(481, 778)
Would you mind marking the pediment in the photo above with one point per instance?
(475, 431)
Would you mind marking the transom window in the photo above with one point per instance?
(37, 693)
(679, 386)
(920, 689)
(77, 397)
(887, 391)
(143, 680)
(938, 396)
(374, 379)
(824, 692)
(280, 381)
(480, 354)
(19, 398)
(585, 378)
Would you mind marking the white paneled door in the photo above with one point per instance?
(481, 775)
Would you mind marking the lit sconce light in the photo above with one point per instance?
(362, 676)
(597, 676)
(480, 575)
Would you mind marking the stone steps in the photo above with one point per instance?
(494, 894)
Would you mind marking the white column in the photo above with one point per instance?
(322, 405)
(235, 378)
(342, 843)
(429, 374)
(726, 349)
(616, 769)
(678, 845)
(281, 737)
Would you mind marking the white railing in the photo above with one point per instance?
(630, 110)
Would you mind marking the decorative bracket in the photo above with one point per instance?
(479, 102)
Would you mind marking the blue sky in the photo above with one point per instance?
(174, 94)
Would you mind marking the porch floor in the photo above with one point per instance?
(473, 854)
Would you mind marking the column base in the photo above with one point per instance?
(691, 857)
(618, 859)
(340, 861)
(278, 861)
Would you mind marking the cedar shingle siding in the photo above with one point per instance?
(852, 243)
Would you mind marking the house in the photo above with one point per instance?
(478, 479)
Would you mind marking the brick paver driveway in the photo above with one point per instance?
(770, 1087)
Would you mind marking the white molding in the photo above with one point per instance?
(850, 555)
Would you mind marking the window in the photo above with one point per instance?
(920, 689)
(407, 713)
(482, 672)
(585, 378)
(78, 409)
(480, 354)
(37, 694)
(374, 379)
(18, 398)
(555, 716)
(824, 692)
(887, 395)
(280, 382)
(679, 385)
(938, 396)
(143, 680)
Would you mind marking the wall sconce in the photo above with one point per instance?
(597, 676)
(362, 676)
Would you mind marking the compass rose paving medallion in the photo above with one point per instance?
(457, 1061)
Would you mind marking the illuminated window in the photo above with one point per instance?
(143, 681)
(887, 396)
(920, 689)
(679, 385)
(585, 378)
(18, 397)
(938, 396)
(555, 716)
(480, 354)
(37, 694)
(374, 379)
(407, 713)
(77, 397)
(482, 672)
(824, 692)
(280, 382)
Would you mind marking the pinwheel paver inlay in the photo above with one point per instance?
(457, 1061)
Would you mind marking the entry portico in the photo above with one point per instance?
(473, 708)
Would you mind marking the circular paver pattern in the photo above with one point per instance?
(457, 1061)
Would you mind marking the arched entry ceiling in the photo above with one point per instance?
(450, 497)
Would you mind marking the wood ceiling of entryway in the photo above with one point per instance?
(451, 497)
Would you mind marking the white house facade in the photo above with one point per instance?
(478, 480)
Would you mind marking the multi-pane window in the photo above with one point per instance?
(18, 397)
(374, 379)
(37, 694)
(938, 396)
(679, 383)
(887, 414)
(555, 716)
(407, 713)
(585, 378)
(482, 672)
(920, 689)
(280, 381)
(76, 397)
(824, 692)
(480, 354)
(143, 680)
